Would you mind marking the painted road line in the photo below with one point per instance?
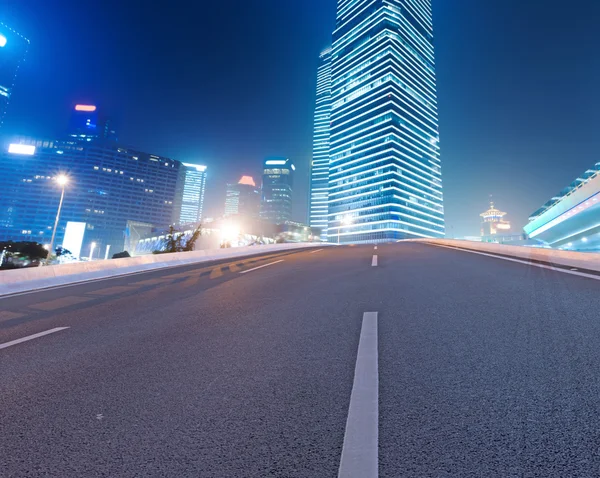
(260, 267)
(374, 261)
(314, 252)
(534, 264)
(360, 458)
(375, 248)
(31, 337)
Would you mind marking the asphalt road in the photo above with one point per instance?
(432, 363)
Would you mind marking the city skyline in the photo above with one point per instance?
(488, 128)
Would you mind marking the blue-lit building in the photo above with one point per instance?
(191, 187)
(571, 219)
(13, 50)
(385, 177)
(319, 171)
(109, 187)
(85, 125)
(277, 186)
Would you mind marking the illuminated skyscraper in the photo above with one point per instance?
(319, 172)
(384, 161)
(493, 222)
(13, 49)
(191, 184)
(243, 197)
(277, 184)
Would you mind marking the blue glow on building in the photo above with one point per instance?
(13, 51)
(384, 161)
(319, 172)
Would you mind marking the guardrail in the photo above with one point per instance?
(579, 260)
(34, 278)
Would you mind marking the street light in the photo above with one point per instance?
(92, 247)
(346, 221)
(62, 181)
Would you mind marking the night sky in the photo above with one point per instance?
(226, 83)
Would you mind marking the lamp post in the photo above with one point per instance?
(92, 247)
(346, 221)
(62, 181)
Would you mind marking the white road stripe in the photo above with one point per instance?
(375, 248)
(360, 458)
(260, 267)
(510, 259)
(31, 337)
(374, 261)
(318, 250)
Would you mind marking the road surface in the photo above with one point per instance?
(405, 361)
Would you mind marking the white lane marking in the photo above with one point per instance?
(375, 248)
(510, 259)
(360, 458)
(31, 337)
(374, 261)
(260, 267)
(313, 252)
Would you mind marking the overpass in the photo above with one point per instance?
(410, 359)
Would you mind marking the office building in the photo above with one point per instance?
(13, 50)
(86, 125)
(190, 190)
(277, 185)
(319, 172)
(108, 186)
(243, 198)
(385, 178)
(571, 219)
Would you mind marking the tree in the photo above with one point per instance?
(176, 242)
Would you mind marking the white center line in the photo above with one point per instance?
(260, 267)
(318, 250)
(360, 457)
(375, 248)
(31, 337)
(374, 261)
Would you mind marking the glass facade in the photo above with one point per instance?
(13, 49)
(277, 184)
(242, 198)
(192, 184)
(319, 173)
(384, 162)
(107, 186)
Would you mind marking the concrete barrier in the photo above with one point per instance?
(35, 278)
(579, 260)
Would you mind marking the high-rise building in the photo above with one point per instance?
(319, 172)
(191, 187)
(108, 186)
(384, 163)
(277, 184)
(243, 198)
(86, 125)
(13, 49)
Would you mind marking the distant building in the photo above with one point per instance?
(571, 219)
(13, 50)
(493, 224)
(190, 189)
(277, 185)
(109, 186)
(319, 171)
(242, 197)
(86, 125)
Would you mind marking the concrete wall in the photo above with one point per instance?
(20, 280)
(579, 260)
